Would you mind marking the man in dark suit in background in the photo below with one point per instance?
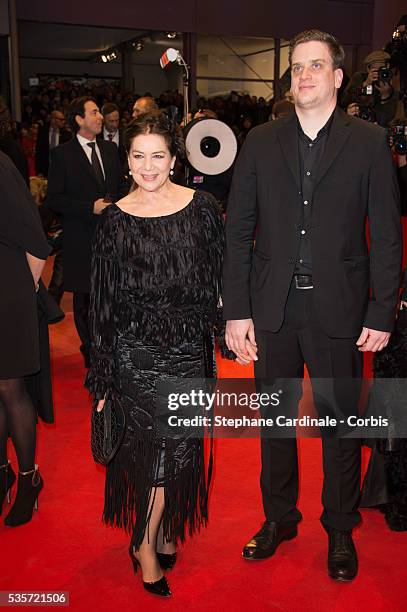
(50, 136)
(85, 176)
(308, 183)
(111, 130)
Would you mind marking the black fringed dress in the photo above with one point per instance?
(155, 294)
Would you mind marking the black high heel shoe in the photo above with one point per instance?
(28, 489)
(159, 587)
(7, 479)
(167, 561)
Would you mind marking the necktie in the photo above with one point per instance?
(96, 163)
(110, 136)
(53, 140)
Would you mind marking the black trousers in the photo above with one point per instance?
(55, 286)
(282, 355)
(80, 314)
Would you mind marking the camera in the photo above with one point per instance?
(397, 136)
(398, 46)
(385, 74)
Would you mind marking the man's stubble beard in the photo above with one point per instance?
(308, 103)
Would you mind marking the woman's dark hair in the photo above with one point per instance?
(160, 123)
(77, 107)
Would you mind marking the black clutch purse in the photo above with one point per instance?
(107, 429)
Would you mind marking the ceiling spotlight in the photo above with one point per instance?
(171, 34)
(139, 45)
(108, 57)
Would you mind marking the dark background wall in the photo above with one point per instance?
(362, 24)
(350, 20)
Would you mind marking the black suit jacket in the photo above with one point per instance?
(121, 148)
(355, 181)
(122, 156)
(42, 149)
(72, 190)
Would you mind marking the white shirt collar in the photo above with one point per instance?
(84, 141)
(105, 134)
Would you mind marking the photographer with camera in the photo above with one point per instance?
(397, 48)
(370, 95)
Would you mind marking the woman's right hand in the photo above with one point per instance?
(100, 406)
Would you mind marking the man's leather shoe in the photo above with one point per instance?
(265, 542)
(342, 557)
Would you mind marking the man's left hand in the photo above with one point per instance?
(372, 340)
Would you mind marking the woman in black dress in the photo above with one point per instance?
(23, 251)
(154, 307)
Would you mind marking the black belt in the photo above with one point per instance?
(303, 281)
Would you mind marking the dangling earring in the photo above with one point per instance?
(171, 172)
(130, 172)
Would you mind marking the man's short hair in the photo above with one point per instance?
(335, 48)
(77, 107)
(56, 112)
(108, 108)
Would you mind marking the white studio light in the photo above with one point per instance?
(169, 56)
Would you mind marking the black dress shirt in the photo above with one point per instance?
(310, 155)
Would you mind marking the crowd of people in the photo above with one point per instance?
(48, 103)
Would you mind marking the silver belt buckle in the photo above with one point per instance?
(298, 287)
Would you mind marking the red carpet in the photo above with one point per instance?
(66, 547)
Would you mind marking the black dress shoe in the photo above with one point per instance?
(265, 542)
(342, 557)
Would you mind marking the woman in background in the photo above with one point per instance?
(23, 252)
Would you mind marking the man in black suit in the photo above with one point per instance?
(50, 136)
(84, 178)
(308, 183)
(111, 130)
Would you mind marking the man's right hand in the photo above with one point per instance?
(99, 206)
(372, 76)
(240, 339)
